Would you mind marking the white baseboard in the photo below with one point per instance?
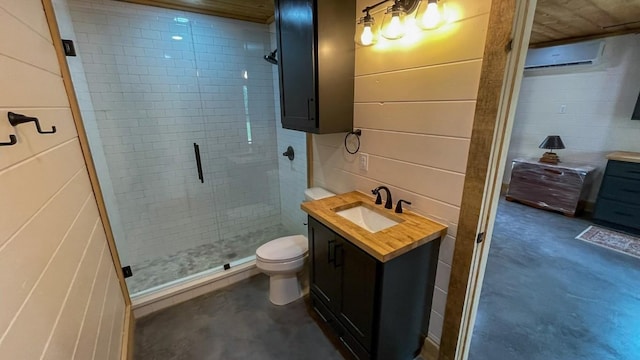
(172, 295)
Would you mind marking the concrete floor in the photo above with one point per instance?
(549, 296)
(545, 296)
(237, 322)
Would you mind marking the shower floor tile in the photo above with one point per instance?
(201, 258)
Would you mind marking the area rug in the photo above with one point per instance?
(613, 240)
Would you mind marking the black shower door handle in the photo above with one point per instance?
(196, 148)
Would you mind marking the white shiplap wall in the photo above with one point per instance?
(415, 101)
(59, 293)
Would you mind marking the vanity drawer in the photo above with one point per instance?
(618, 213)
(325, 314)
(621, 189)
(354, 346)
(624, 169)
(349, 342)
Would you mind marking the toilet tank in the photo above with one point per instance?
(316, 193)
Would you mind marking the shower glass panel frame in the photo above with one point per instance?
(152, 84)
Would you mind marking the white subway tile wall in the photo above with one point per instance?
(293, 174)
(159, 81)
(590, 107)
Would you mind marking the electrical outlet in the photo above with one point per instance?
(364, 162)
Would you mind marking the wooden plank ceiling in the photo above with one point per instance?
(260, 11)
(556, 21)
(559, 21)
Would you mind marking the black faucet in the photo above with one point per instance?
(399, 205)
(389, 203)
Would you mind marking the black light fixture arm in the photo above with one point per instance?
(408, 5)
(371, 7)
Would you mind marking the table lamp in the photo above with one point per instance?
(552, 142)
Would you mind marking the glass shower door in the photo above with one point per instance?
(138, 91)
(238, 108)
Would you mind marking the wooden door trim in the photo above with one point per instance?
(84, 144)
(476, 187)
(129, 320)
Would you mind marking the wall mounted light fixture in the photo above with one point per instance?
(428, 15)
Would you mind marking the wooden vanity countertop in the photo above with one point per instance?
(412, 231)
(627, 156)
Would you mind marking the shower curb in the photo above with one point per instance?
(172, 295)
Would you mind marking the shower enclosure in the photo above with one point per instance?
(183, 126)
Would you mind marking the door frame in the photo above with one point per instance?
(510, 24)
(129, 321)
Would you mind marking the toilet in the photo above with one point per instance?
(284, 257)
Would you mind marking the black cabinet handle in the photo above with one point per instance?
(629, 191)
(331, 256)
(623, 214)
(310, 109)
(337, 263)
(553, 171)
(196, 148)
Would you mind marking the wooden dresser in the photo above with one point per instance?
(618, 203)
(563, 187)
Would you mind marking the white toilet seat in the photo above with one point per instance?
(271, 261)
(288, 267)
(284, 249)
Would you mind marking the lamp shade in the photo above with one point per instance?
(552, 142)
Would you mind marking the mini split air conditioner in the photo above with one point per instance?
(582, 53)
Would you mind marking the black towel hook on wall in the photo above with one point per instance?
(12, 141)
(17, 119)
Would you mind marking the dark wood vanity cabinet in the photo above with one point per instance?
(376, 310)
(316, 62)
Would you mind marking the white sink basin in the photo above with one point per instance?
(367, 218)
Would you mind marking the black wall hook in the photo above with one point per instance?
(12, 141)
(289, 153)
(17, 119)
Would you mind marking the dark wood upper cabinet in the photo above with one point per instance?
(316, 61)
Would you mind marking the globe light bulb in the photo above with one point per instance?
(394, 29)
(365, 33)
(366, 38)
(431, 17)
